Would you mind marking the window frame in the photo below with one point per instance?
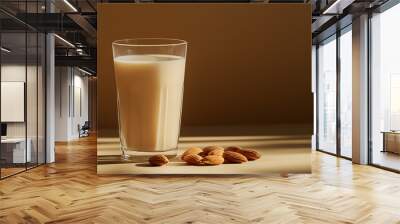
(381, 9)
(334, 37)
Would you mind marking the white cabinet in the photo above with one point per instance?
(14, 149)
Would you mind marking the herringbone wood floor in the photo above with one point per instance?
(69, 191)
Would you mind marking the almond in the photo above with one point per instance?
(191, 151)
(193, 159)
(216, 152)
(234, 157)
(233, 148)
(203, 154)
(213, 160)
(250, 154)
(208, 149)
(158, 160)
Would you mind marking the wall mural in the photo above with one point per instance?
(243, 109)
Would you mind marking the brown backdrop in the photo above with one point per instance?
(246, 63)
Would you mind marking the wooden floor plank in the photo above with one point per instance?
(69, 191)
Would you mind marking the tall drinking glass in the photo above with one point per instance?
(149, 75)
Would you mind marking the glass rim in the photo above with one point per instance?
(129, 42)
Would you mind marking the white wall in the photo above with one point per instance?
(62, 81)
(16, 72)
(81, 103)
(71, 87)
(33, 127)
(13, 72)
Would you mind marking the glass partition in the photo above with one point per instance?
(346, 93)
(31, 100)
(14, 145)
(22, 88)
(327, 95)
(334, 94)
(385, 89)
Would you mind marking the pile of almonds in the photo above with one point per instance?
(211, 155)
(215, 155)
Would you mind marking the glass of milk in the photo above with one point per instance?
(149, 75)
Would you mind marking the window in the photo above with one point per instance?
(346, 93)
(385, 89)
(334, 106)
(327, 95)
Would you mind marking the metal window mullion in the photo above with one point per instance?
(369, 90)
(26, 88)
(317, 96)
(338, 98)
(37, 91)
(45, 87)
(45, 95)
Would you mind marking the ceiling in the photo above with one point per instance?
(76, 22)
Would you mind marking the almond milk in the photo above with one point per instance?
(150, 91)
